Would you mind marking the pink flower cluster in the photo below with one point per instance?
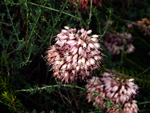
(75, 55)
(116, 43)
(129, 107)
(116, 89)
(84, 5)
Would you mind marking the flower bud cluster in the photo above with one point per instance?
(75, 55)
(116, 43)
(84, 5)
(116, 89)
(144, 22)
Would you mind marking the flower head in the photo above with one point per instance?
(75, 55)
(119, 90)
(115, 42)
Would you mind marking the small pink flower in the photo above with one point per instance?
(130, 25)
(130, 48)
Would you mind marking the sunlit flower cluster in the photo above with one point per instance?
(75, 55)
(84, 5)
(115, 43)
(144, 22)
(113, 88)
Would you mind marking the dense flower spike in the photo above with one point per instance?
(75, 55)
(115, 89)
(119, 90)
(115, 42)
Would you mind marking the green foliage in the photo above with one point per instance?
(28, 28)
(142, 80)
(8, 97)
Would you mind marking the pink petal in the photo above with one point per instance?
(80, 50)
(89, 31)
(95, 36)
(71, 43)
(66, 27)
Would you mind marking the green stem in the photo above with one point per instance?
(27, 32)
(90, 15)
(147, 102)
(79, 14)
(31, 99)
(64, 85)
(106, 26)
(54, 10)
(12, 22)
(13, 26)
(99, 27)
(51, 29)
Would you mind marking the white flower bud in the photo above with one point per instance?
(80, 50)
(66, 27)
(83, 60)
(91, 45)
(92, 61)
(97, 45)
(95, 36)
(94, 39)
(89, 31)
(71, 36)
(84, 45)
